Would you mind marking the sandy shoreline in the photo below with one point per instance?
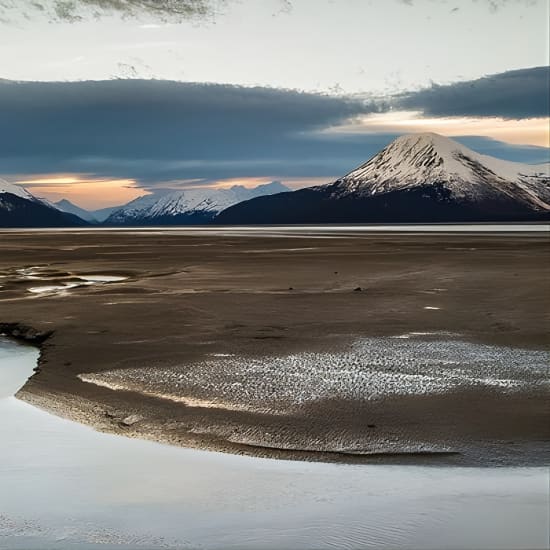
(65, 484)
(191, 298)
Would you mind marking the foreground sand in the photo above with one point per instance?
(193, 301)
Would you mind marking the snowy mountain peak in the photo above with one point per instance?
(415, 160)
(67, 206)
(19, 208)
(6, 187)
(195, 205)
(420, 141)
(64, 203)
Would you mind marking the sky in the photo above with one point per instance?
(104, 100)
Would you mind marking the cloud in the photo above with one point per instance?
(78, 10)
(173, 10)
(161, 131)
(155, 130)
(515, 94)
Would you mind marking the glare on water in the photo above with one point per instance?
(62, 483)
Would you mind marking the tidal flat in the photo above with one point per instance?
(318, 344)
(64, 485)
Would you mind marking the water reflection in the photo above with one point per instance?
(63, 485)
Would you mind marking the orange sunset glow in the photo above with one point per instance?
(529, 131)
(85, 191)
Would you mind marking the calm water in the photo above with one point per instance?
(62, 486)
(541, 229)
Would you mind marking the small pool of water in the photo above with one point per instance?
(102, 278)
(46, 289)
(63, 485)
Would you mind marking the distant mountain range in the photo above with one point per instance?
(90, 216)
(188, 206)
(67, 206)
(19, 208)
(418, 178)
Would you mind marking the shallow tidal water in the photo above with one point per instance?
(63, 485)
(320, 231)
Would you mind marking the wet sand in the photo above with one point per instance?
(65, 485)
(193, 301)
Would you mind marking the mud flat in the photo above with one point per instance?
(65, 485)
(313, 344)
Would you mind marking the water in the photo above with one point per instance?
(320, 231)
(62, 485)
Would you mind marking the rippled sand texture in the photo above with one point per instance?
(65, 485)
(372, 369)
(310, 343)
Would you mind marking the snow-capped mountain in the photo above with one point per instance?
(67, 206)
(188, 206)
(20, 208)
(103, 213)
(426, 159)
(91, 216)
(416, 178)
(16, 190)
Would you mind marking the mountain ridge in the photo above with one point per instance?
(69, 207)
(416, 178)
(20, 208)
(187, 206)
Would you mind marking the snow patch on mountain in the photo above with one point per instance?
(426, 159)
(103, 213)
(20, 208)
(207, 201)
(67, 206)
(6, 187)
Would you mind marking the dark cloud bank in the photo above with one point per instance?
(156, 131)
(161, 130)
(524, 93)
